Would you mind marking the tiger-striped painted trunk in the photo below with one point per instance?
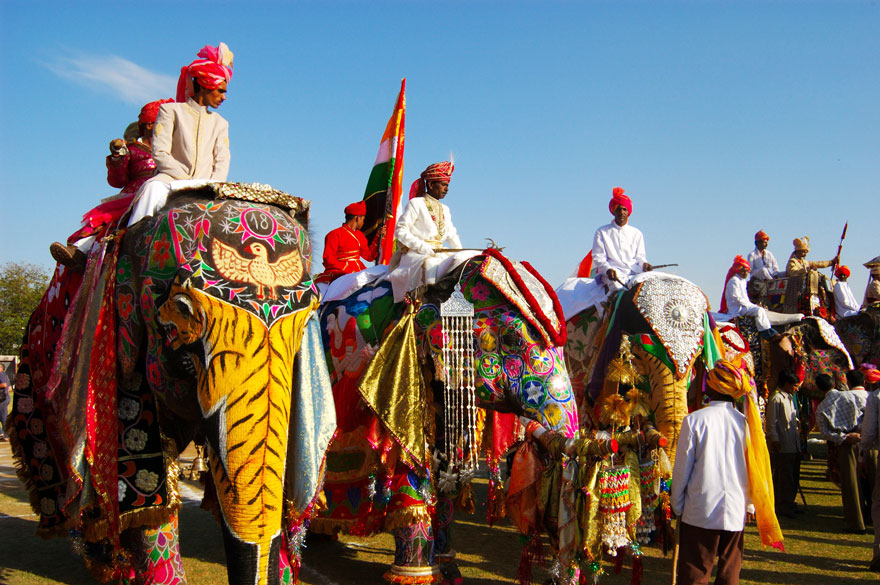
(244, 380)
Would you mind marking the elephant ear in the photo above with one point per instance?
(674, 309)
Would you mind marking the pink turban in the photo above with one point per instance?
(212, 68)
(441, 171)
(150, 112)
(359, 208)
(842, 271)
(618, 198)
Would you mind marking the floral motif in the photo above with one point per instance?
(135, 440)
(480, 291)
(125, 305)
(146, 480)
(25, 405)
(40, 450)
(121, 488)
(35, 426)
(46, 472)
(161, 251)
(128, 409)
(123, 270)
(47, 506)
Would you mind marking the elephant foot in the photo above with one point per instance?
(410, 575)
(449, 570)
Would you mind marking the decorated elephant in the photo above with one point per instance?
(663, 323)
(408, 381)
(196, 322)
(811, 347)
(860, 335)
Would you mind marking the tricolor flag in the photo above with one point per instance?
(386, 181)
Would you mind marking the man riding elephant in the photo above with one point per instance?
(190, 141)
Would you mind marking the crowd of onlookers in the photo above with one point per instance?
(848, 419)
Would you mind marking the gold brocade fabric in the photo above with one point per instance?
(392, 387)
(435, 208)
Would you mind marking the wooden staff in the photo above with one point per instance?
(675, 548)
(839, 248)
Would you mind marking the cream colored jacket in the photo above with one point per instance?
(190, 142)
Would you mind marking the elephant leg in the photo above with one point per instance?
(443, 551)
(155, 553)
(414, 555)
(246, 571)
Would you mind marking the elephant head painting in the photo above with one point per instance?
(192, 323)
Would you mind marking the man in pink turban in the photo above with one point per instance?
(346, 245)
(736, 302)
(619, 248)
(189, 140)
(129, 165)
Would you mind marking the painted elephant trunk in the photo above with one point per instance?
(244, 376)
(668, 397)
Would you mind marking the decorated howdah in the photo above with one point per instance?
(195, 323)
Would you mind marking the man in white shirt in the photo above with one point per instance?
(190, 141)
(845, 303)
(423, 230)
(762, 263)
(619, 248)
(839, 419)
(711, 488)
(736, 303)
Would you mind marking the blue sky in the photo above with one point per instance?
(718, 118)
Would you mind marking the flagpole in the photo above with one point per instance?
(397, 155)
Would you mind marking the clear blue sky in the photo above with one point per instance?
(718, 118)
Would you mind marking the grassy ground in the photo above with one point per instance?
(817, 553)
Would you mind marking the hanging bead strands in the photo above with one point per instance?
(613, 504)
(648, 486)
(459, 391)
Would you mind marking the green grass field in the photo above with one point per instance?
(817, 552)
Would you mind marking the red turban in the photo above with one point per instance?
(761, 235)
(618, 198)
(150, 111)
(212, 68)
(359, 208)
(842, 271)
(738, 262)
(441, 171)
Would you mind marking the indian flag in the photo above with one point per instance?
(385, 184)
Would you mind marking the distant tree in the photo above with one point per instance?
(21, 287)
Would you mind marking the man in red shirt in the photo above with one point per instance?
(346, 245)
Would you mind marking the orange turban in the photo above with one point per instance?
(762, 235)
(359, 208)
(213, 67)
(618, 198)
(872, 374)
(441, 171)
(150, 111)
(842, 271)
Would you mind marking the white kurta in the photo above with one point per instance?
(763, 264)
(189, 143)
(845, 303)
(710, 487)
(620, 248)
(739, 305)
(424, 262)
